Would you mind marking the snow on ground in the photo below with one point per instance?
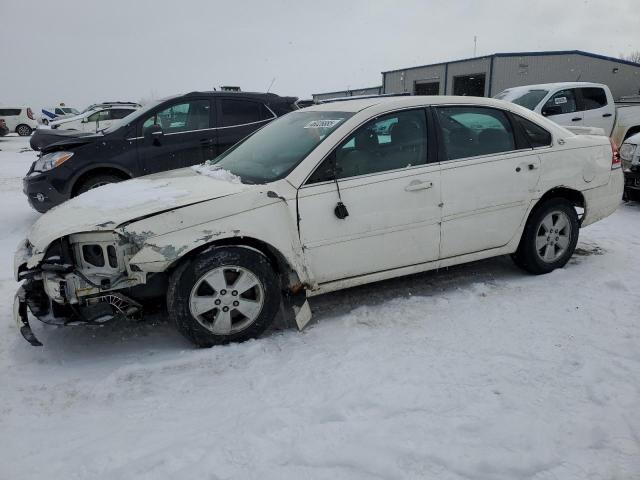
(475, 372)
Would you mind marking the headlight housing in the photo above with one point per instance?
(627, 150)
(51, 160)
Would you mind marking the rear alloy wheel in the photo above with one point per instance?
(226, 294)
(549, 238)
(97, 181)
(23, 130)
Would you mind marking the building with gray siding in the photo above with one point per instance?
(489, 75)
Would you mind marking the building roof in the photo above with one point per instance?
(348, 90)
(525, 54)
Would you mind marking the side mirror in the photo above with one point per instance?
(549, 111)
(153, 133)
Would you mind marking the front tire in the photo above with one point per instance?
(23, 130)
(96, 181)
(549, 238)
(225, 294)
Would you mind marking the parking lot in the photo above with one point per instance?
(478, 371)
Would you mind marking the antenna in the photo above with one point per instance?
(475, 45)
(271, 84)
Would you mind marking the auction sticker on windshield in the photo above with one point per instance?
(323, 123)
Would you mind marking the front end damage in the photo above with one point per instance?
(81, 279)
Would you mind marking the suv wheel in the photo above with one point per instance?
(96, 181)
(23, 130)
(549, 238)
(225, 294)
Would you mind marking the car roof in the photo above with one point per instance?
(406, 101)
(550, 86)
(224, 93)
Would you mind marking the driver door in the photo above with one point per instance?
(186, 136)
(563, 109)
(391, 193)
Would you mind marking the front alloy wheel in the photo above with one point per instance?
(224, 294)
(226, 300)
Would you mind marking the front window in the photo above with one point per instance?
(560, 103)
(391, 142)
(273, 151)
(525, 98)
(182, 117)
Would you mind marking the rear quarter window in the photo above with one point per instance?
(537, 136)
(10, 112)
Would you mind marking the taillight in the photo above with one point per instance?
(30, 114)
(615, 155)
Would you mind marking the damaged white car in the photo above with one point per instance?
(324, 198)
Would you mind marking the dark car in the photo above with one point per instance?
(3, 128)
(176, 132)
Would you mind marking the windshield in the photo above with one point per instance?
(70, 111)
(273, 151)
(525, 98)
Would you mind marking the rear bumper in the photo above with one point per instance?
(604, 200)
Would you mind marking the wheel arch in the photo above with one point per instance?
(575, 197)
(286, 271)
(98, 170)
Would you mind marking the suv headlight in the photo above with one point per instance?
(626, 151)
(51, 160)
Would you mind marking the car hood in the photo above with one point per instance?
(111, 206)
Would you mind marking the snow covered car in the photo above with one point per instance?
(316, 201)
(630, 156)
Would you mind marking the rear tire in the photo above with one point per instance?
(225, 294)
(549, 238)
(23, 130)
(96, 181)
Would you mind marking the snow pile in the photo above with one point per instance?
(212, 170)
(131, 193)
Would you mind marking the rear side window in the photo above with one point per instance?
(9, 112)
(560, 103)
(118, 113)
(473, 131)
(593, 98)
(100, 116)
(240, 112)
(538, 136)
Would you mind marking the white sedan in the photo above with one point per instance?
(324, 198)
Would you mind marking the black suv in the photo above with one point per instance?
(173, 133)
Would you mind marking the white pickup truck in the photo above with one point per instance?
(579, 104)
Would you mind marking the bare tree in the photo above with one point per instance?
(632, 57)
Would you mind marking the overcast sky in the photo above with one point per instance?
(84, 51)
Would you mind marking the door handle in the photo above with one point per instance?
(576, 119)
(418, 185)
(606, 115)
(530, 166)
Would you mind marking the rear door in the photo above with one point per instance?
(187, 136)
(563, 109)
(597, 109)
(488, 176)
(239, 117)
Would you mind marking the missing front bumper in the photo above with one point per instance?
(21, 317)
